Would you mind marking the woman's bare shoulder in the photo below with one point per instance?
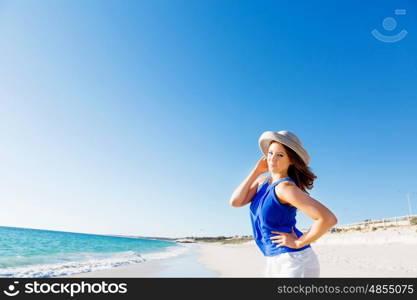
(280, 190)
(284, 185)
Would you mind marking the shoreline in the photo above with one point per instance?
(183, 265)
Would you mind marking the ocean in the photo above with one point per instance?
(28, 252)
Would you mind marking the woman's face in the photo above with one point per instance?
(277, 158)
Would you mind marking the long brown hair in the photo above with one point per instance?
(299, 171)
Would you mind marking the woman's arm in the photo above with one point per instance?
(244, 193)
(324, 219)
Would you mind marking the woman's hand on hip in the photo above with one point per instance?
(289, 240)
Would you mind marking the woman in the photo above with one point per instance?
(274, 201)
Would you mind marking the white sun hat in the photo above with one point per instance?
(287, 138)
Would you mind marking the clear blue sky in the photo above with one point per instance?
(142, 117)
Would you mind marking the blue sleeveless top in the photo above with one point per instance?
(268, 214)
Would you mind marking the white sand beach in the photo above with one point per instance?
(390, 252)
(381, 253)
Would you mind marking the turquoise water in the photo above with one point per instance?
(43, 253)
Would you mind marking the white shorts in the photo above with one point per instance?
(297, 264)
